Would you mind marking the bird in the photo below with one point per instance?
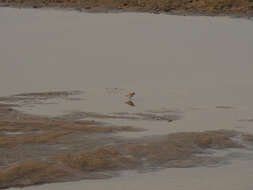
(130, 95)
(130, 103)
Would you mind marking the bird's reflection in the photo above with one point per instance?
(130, 103)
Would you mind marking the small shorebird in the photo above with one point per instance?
(131, 95)
(130, 103)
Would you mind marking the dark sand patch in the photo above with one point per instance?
(246, 120)
(224, 107)
(52, 94)
(41, 97)
(25, 99)
(248, 138)
(130, 116)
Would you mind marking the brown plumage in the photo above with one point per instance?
(130, 103)
(131, 95)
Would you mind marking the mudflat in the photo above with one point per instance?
(37, 150)
(65, 117)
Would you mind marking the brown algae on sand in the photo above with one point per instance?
(175, 150)
(49, 131)
(243, 7)
(30, 172)
(36, 150)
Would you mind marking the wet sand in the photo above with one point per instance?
(199, 68)
(36, 150)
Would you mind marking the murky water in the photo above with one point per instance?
(238, 176)
(200, 67)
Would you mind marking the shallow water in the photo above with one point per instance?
(238, 176)
(200, 67)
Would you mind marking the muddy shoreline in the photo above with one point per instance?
(37, 150)
(190, 128)
(243, 8)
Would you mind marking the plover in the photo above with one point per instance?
(131, 95)
(130, 103)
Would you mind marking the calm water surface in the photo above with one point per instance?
(197, 66)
